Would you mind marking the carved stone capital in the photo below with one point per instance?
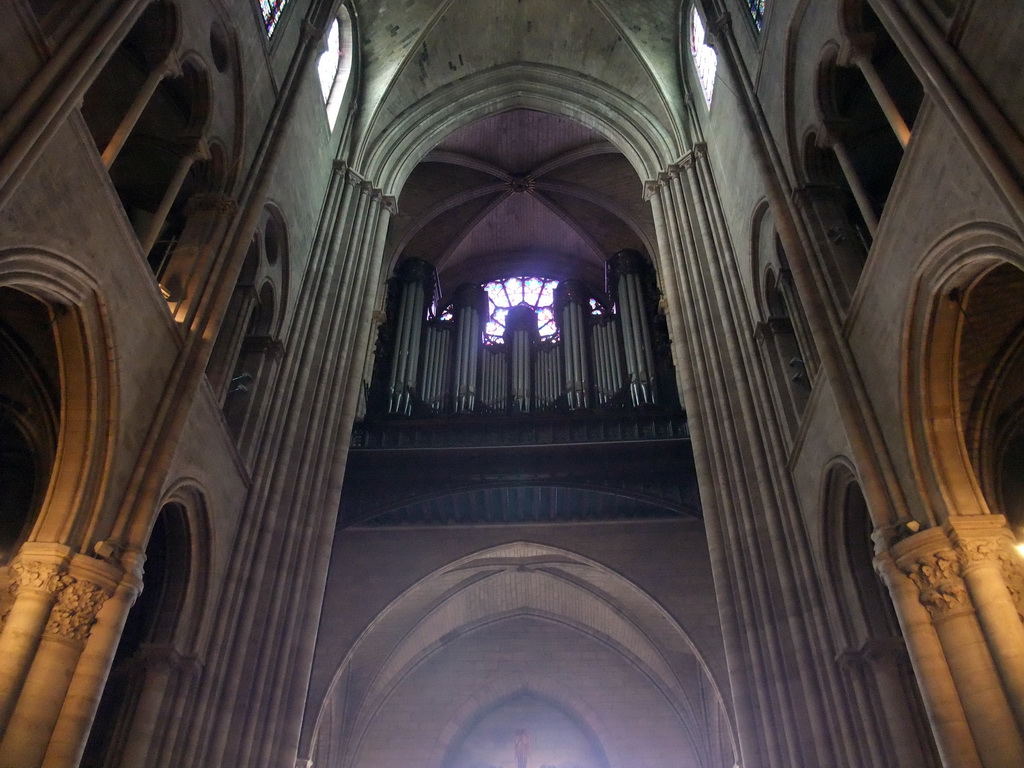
(985, 541)
(37, 575)
(938, 577)
(78, 602)
(652, 187)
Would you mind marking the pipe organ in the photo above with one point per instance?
(435, 364)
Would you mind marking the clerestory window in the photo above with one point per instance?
(757, 12)
(705, 60)
(334, 66)
(272, 10)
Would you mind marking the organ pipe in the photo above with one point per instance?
(436, 365)
(520, 334)
(445, 367)
(571, 300)
(470, 311)
(627, 266)
(416, 285)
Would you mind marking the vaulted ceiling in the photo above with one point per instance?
(521, 192)
(517, 191)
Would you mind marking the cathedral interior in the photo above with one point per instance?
(512, 384)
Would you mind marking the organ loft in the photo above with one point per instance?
(511, 384)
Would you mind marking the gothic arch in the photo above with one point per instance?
(87, 390)
(538, 581)
(500, 691)
(193, 536)
(646, 144)
(848, 554)
(936, 324)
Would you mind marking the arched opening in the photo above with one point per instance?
(869, 100)
(525, 730)
(147, 112)
(989, 382)
(705, 60)
(876, 668)
(30, 406)
(335, 65)
(143, 673)
(846, 237)
(247, 377)
(789, 368)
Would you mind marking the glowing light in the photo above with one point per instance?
(705, 60)
(536, 292)
(272, 10)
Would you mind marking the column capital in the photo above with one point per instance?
(81, 593)
(935, 568)
(78, 602)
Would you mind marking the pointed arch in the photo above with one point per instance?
(702, 55)
(88, 399)
(334, 67)
(646, 144)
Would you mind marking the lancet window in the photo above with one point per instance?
(272, 10)
(334, 66)
(705, 60)
(757, 12)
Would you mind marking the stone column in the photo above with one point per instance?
(937, 572)
(841, 246)
(156, 224)
(37, 571)
(169, 67)
(986, 550)
(91, 673)
(59, 86)
(186, 275)
(80, 593)
(861, 56)
(867, 210)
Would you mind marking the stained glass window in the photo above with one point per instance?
(757, 12)
(705, 60)
(272, 10)
(536, 292)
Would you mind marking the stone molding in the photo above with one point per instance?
(651, 187)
